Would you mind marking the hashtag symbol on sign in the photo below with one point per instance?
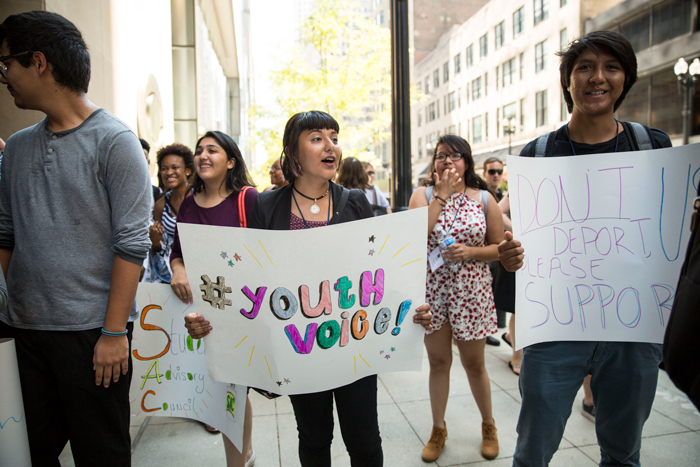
(215, 292)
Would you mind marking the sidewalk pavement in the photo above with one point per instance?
(671, 435)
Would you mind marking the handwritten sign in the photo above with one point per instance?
(309, 310)
(605, 237)
(170, 376)
(14, 444)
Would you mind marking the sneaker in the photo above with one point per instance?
(588, 411)
(490, 340)
(489, 441)
(432, 449)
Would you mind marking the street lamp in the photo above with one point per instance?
(687, 78)
(508, 129)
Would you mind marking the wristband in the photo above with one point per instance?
(443, 201)
(114, 334)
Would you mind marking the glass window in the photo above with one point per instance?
(541, 108)
(470, 55)
(436, 79)
(427, 84)
(563, 39)
(446, 72)
(452, 99)
(499, 32)
(541, 10)
(666, 103)
(484, 45)
(458, 63)
(452, 130)
(431, 112)
(540, 56)
(522, 114)
(635, 108)
(476, 129)
(459, 98)
(518, 21)
(486, 84)
(476, 89)
(420, 117)
(670, 19)
(562, 3)
(420, 147)
(522, 64)
(509, 110)
(497, 80)
(508, 71)
(637, 32)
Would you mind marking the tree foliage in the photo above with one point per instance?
(341, 66)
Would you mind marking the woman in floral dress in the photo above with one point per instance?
(461, 208)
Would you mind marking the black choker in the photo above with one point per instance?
(314, 209)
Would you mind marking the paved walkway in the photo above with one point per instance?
(671, 435)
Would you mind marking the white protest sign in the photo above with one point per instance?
(14, 445)
(170, 377)
(304, 311)
(604, 238)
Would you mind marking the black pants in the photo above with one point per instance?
(62, 402)
(357, 413)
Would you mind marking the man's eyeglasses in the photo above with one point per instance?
(495, 171)
(370, 173)
(441, 157)
(3, 67)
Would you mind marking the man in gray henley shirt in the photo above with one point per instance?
(75, 197)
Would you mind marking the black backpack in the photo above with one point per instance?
(682, 339)
(641, 139)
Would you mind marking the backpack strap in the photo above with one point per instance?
(374, 194)
(639, 136)
(428, 193)
(485, 199)
(241, 206)
(544, 145)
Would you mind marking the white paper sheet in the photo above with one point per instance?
(605, 238)
(264, 289)
(14, 445)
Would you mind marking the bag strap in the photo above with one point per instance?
(241, 206)
(544, 145)
(374, 194)
(428, 193)
(485, 199)
(640, 135)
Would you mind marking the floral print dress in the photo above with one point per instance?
(463, 295)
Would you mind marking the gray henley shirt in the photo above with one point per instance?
(70, 201)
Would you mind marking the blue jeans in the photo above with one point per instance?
(624, 376)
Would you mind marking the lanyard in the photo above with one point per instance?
(461, 205)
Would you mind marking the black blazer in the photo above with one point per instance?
(273, 209)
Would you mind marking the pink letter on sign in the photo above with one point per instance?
(324, 300)
(256, 298)
(367, 287)
(299, 345)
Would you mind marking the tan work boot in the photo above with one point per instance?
(432, 450)
(489, 441)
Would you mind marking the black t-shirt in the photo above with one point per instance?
(562, 147)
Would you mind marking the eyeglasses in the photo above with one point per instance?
(275, 169)
(441, 157)
(3, 67)
(370, 173)
(495, 171)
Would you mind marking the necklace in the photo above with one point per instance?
(314, 209)
(328, 220)
(617, 136)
